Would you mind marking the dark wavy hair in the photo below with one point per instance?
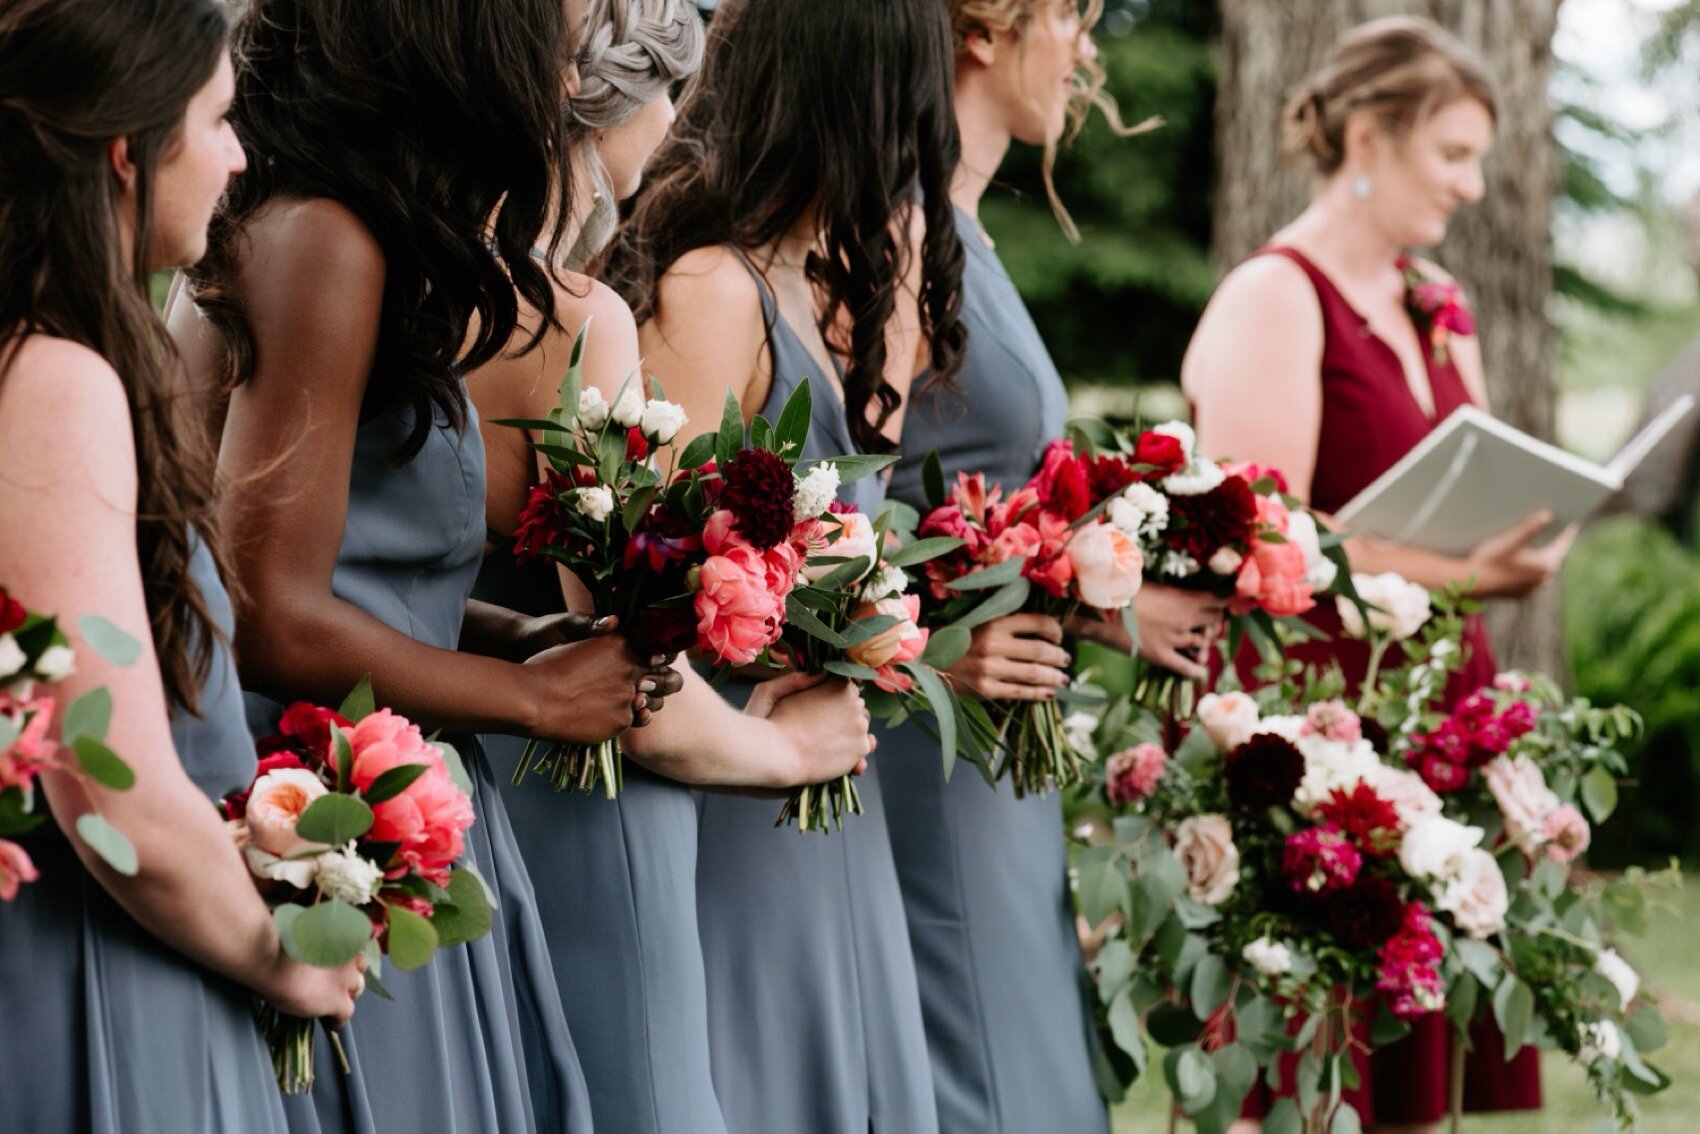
(438, 123)
(75, 75)
(843, 107)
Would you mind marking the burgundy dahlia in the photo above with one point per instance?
(759, 490)
(1263, 772)
(1223, 517)
(1363, 816)
(1363, 915)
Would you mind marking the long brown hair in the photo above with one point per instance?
(74, 76)
(840, 107)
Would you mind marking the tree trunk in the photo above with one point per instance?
(1500, 249)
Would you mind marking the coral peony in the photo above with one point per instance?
(429, 819)
(1108, 567)
(738, 616)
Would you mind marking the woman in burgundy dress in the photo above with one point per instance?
(1313, 357)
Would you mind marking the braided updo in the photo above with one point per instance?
(1400, 69)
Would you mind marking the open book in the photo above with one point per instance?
(1473, 477)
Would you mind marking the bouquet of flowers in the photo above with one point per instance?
(1289, 886)
(702, 556)
(35, 652)
(852, 615)
(355, 824)
(1048, 547)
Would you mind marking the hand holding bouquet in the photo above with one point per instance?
(355, 824)
(34, 652)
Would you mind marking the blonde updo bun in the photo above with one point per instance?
(1400, 69)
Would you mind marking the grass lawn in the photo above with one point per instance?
(1669, 958)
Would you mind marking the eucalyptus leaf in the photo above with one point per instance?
(457, 767)
(1124, 1024)
(922, 550)
(804, 619)
(850, 671)
(89, 715)
(393, 782)
(1599, 793)
(466, 916)
(326, 935)
(108, 842)
(1007, 599)
(108, 640)
(412, 939)
(988, 577)
(946, 646)
(103, 765)
(854, 467)
(334, 819)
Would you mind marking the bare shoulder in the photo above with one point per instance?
(1272, 284)
(711, 280)
(53, 381)
(316, 256)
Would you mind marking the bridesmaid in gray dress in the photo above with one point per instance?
(816, 153)
(99, 511)
(984, 874)
(344, 282)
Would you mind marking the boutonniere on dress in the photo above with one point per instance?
(1437, 306)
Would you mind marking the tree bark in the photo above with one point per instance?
(1500, 249)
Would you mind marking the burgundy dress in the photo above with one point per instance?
(1370, 419)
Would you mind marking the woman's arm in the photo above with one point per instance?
(314, 281)
(68, 547)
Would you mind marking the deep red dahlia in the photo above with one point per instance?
(759, 491)
(1225, 516)
(1363, 915)
(1376, 733)
(1107, 476)
(1364, 817)
(12, 612)
(1263, 772)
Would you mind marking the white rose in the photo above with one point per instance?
(1229, 719)
(1181, 432)
(12, 656)
(1270, 958)
(1078, 729)
(1477, 899)
(1436, 848)
(344, 874)
(628, 411)
(592, 410)
(596, 503)
(298, 872)
(662, 421)
(1302, 533)
(1226, 561)
(1196, 479)
(887, 582)
(1601, 1040)
(1400, 607)
(1140, 511)
(1614, 968)
(815, 492)
(56, 663)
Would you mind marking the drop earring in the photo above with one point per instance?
(1361, 187)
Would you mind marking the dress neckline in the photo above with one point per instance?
(1430, 413)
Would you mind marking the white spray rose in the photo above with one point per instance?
(1140, 511)
(344, 874)
(1196, 479)
(1601, 1040)
(1611, 965)
(662, 421)
(596, 503)
(592, 410)
(1477, 898)
(1178, 565)
(1302, 533)
(815, 492)
(12, 656)
(887, 582)
(1436, 847)
(628, 410)
(56, 663)
(1402, 606)
(1077, 730)
(1330, 766)
(1270, 958)
(1226, 561)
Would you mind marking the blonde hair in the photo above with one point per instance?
(994, 17)
(1400, 69)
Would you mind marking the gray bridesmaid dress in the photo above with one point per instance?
(813, 1011)
(449, 1053)
(88, 995)
(984, 874)
(618, 882)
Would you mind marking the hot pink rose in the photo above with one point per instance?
(1566, 833)
(1133, 775)
(430, 818)
(276, 804)
(15, 866)
(1108, 567)
(32, 752)
(738, 615)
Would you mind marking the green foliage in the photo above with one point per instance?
(1633, 624)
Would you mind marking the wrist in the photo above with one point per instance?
(789, 766)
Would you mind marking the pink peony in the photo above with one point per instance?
(276, 804)
(1524, 799)
(1332, 720)
(1108, 567)
(32, 752)
(738, 614)
(1566, 833)
(430, 818)
(1133, 775)
(15, 865)
(1319, 859)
